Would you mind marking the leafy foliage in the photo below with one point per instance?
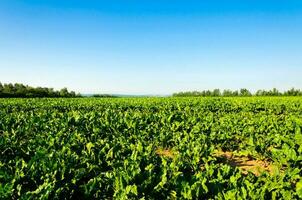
(18, 90)
(109, 148)
(241, 93)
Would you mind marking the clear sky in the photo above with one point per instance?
(151, 46)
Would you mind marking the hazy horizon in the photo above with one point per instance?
(151, 47)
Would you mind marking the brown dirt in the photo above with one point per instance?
(165, 153)
(246, 164)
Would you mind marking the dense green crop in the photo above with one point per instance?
(149, 148)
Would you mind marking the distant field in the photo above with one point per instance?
(151, 148)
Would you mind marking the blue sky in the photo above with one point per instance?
(151, 47)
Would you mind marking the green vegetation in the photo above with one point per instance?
(150, 148)
(241, 93)
(18, 90)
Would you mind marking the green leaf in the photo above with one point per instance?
(89, 145)
(299, 188)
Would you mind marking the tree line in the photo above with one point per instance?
(104, 96)
(238, 93)
(19, 90)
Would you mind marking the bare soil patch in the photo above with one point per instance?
(165, 153)
(245, 163)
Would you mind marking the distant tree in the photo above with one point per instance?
(227, 93)
(275, 92)
(1, 90)
(72, 94)
(293, 92)
(103, 95)
(64, 92)
(20, 90)
(216, 93)
(208, 93)
(245, 92)
(235, 93)
(259, 93)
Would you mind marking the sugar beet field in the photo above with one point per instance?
(151, 148)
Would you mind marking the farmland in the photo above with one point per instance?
(151, 148)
